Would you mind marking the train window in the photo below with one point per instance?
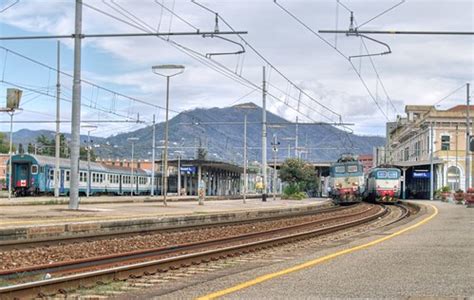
(68, 176)
(352, 169)
(34, 169)
(393, 174)
(382, 174)
(51, 174)
(340, 169)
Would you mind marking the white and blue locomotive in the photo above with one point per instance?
(34, 175)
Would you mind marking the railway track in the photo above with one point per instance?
(125, 265)
(23, 244)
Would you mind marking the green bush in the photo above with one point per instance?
(293, 192)
(446, 189)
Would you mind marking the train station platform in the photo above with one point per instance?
(430, 257)
(42, 221)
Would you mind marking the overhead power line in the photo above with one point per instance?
(338, 51)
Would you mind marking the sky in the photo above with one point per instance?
(308, 74)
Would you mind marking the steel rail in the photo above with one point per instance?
(5, 245)
(139, 254)
(52, 286)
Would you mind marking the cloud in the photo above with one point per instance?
(420, 70)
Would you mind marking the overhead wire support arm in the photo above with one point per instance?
(209, 55)
(388, 51)
(407, 32)
(101, 35)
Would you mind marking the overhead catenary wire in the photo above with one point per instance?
(338, 51)
(211, 63)
(450, 94)
(370, 57)
(381, 14)
(267, 61)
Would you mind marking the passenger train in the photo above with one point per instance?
(34, 175)
(346, 184)
(383, 185)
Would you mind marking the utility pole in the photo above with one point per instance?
(88, 190)
(76, 111)
(468, 139)
(152, 192)
(431, 163)
(179, 175)
(264, 138)
(245, 158)
(58, 114)
(296, 139)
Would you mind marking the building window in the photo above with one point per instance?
(454, 178)
(417, 149)
(406, 154)
(445, 142)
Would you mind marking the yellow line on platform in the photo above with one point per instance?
(314, 262)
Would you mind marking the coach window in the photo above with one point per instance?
(51, 174)
(34, 169)
(68, 177)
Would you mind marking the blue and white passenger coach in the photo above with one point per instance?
(34, 175)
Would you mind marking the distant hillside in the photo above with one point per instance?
(220, 132)
(25, 136)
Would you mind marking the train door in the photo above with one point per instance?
(120, 184)
(21, 175)
(135, 185)
(61, 181)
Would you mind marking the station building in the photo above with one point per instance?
(426, 130)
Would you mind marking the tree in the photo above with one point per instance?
(299, 176)
(31, 148)
(21, 150)
(4, 145)
(201, 152)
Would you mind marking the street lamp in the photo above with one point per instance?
(167, 71)
(13, 104)
(275, 145)
(133, 140)
(88, 148)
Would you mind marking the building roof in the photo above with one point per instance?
(418, 108)
(460, 108)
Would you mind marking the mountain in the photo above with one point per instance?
(220, 132)
(25, 136)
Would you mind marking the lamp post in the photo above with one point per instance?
(133, 140)
(88, 148)
(13, 104)
(167, 71)
(275, 144)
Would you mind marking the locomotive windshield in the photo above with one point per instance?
(387, 174)
(393, 174)
(340, 169)
(352, 169)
